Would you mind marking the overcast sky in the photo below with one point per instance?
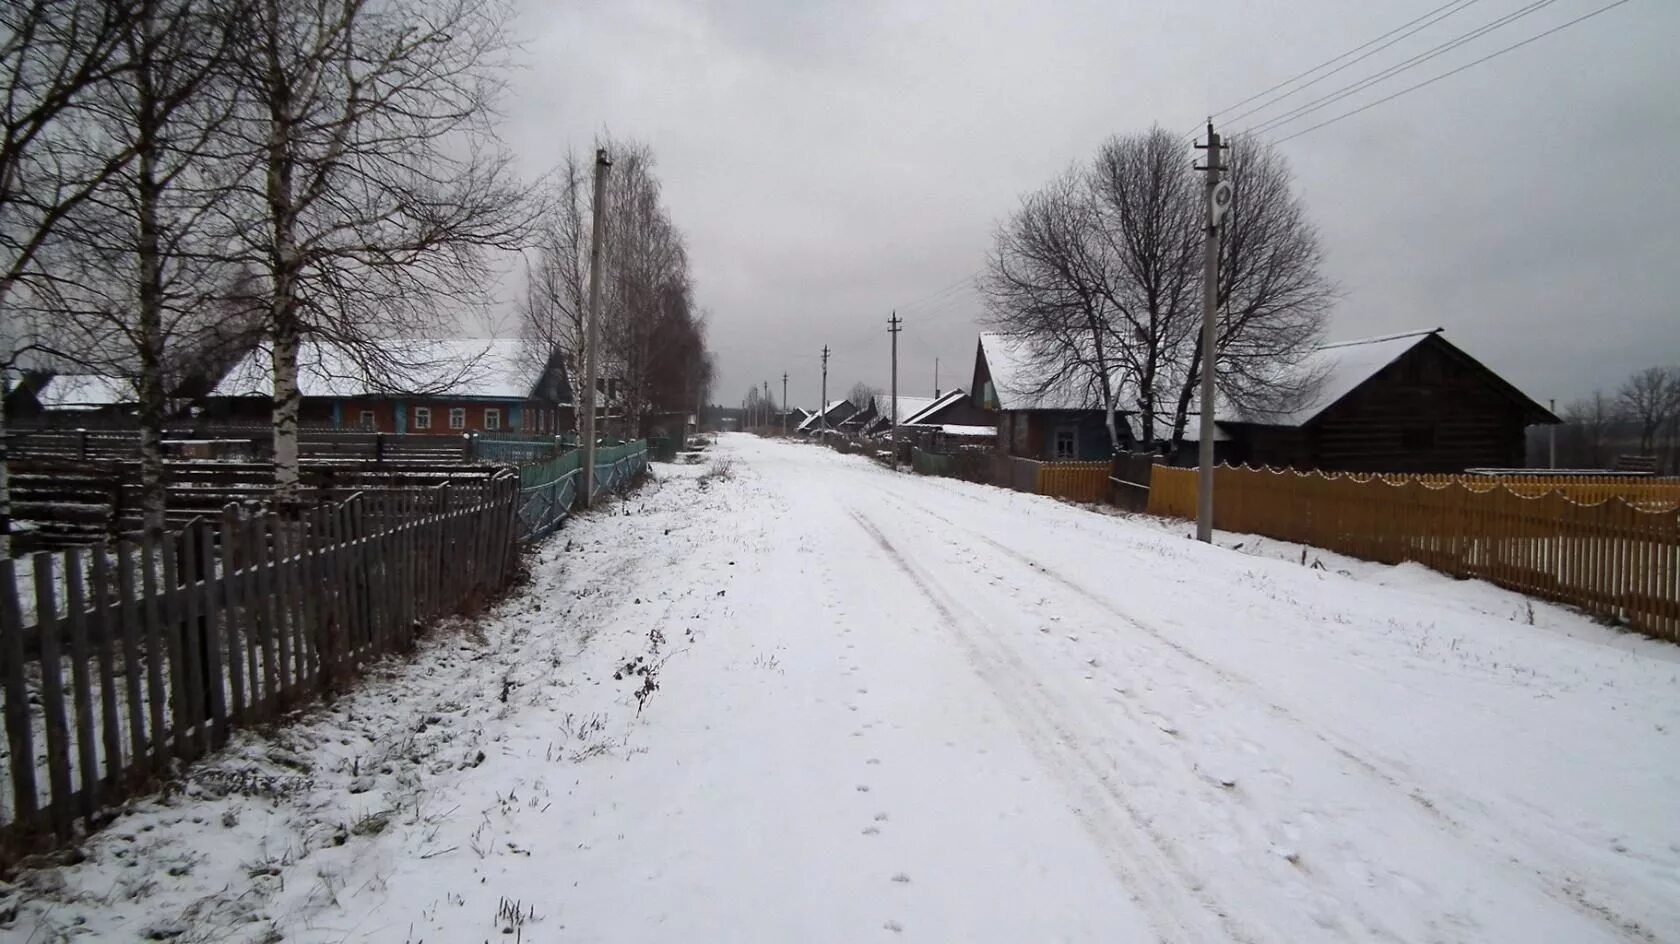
(830, 162)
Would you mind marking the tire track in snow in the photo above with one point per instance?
(1565, 890)
(1138, 853)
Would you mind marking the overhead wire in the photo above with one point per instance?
(1423, 23)
(1405, 65)
(1475, 62)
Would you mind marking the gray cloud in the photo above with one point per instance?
(832, 161)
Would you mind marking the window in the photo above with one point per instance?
(1067, 443)
(422, 417)
(492, 418)
(458, 418)
(1418, 438)
(368, 422)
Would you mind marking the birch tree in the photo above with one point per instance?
(54, 54)
(144, 277)
(380, 191)
(650, 339)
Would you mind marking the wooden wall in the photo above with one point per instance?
(1430, 411)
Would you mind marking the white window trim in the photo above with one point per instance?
(492, 418)
(422, 417)
(1073, 444)
(458, 417)
(367, 419)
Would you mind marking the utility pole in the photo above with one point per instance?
(784, 404)
(895, 324)
(1551, 436)
(936, 378)
(822, 408)
(1218, 200)
(590, 357)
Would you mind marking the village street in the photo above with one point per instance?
(881, 707)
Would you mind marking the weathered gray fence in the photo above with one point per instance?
(117, 661)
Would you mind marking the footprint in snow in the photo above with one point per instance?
(880, 817)
(901, 878)
(873, 761)
(893, 926)
(863, 788)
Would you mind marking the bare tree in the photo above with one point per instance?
(380, 188)
(650, 340)
(1047, 283)
(1098, 277)
(53, 55)
(1651, 399)
(862, 394)
(557, 275)
(141, 274)
(1273, 299)
(1587, 423)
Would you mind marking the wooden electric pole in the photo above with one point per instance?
(895, 324)
(592, 331)
(1218, 198)
(822, 408)
(784, 404)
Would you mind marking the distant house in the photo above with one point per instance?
(954, 408)
(1412, 402)
(829, 417)
(1036, 418)
(440, 387)
(949, 420)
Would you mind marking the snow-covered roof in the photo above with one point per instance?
(814, 421)
(939, 403)
(1018, 379)
(908, 406)
(955, 430)
(84, 392)
(1344, 366)
(485, 368)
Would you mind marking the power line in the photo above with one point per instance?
(1455, 7)
(1431, 81)
(1354, 88)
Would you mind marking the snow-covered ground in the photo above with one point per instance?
(890, 707)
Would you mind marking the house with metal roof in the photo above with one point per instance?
(433, 386)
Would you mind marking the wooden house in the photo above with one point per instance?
(829, 417)
(438, 387)
(1040, 414)
(1411, 402)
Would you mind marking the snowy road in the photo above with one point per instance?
(895, 708)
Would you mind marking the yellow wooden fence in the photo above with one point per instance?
(1617, 557)
(1075, 481)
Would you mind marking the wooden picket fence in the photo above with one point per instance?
(117, 661)
(1618, 558)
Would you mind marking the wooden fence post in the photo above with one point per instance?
(52, 699)
(19, 731)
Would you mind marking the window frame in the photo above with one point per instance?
(1072, 438)
(457, 417)
(367, 419)
(492, 422)
(422, 417)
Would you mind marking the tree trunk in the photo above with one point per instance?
(285, 327)
(1192, 380)
(148, 193)
(288, 488)
(5, 475)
